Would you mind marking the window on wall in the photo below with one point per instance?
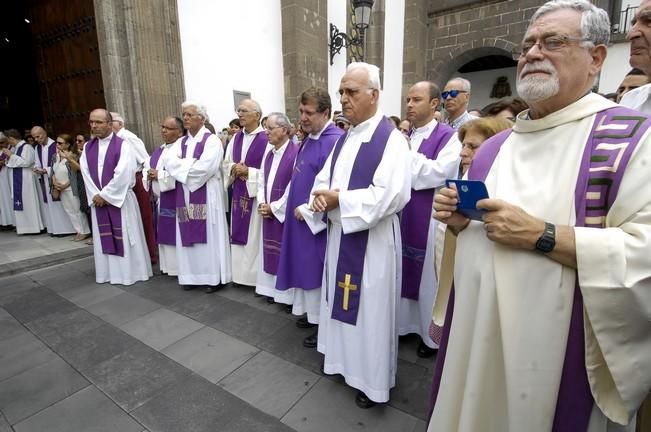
(239, 96)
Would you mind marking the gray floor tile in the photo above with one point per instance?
(210, 353)
(21, 353)
(122, 308)
(161, 328)
(55, 328)
(86, 410)
(413, 388)
(15, 284)
(4, 424)
(95, 346)
(198, 406)
(269, 383)
(247, 323)
(86, 295)
(407, 347)
(287, 343)
(35, 389)
(331, 407)
(235, 292)
(420, 426)
(164, 290)
(136, 375)
(66, 280)
(35, 304)
(205, 309)
(9, 327)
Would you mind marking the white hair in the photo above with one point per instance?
(201, 109)
(117, 117)
(372, 71)
(464, 83)
(595, 24)
(281, 120)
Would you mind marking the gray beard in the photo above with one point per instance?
(533, 89)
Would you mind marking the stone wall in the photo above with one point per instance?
(140, 55)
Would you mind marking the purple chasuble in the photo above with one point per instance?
(303, 254)
(51, 150)
(166, 221)
(241, 202)
(18, 181)
(192, 218)
(109, 217)
(352, 248)
(272, 228)
(617, 125)
(416, 217)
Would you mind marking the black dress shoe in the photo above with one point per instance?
(188, 287)
(424, 351)
(211, 289)
(311, 341)
(271, 300)
(302, 322)
(363, 401)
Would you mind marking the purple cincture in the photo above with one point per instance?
(575, 401)
(18, 181)
(192, 217)
(166, 223)
(416, 217)
(303, 254)
(272, 228)
(352, 249)
(242, 202)
(109, 217)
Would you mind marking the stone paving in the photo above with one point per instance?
(80, 356)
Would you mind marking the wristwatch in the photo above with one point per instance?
(547, 240)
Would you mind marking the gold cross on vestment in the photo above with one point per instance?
(347, 287)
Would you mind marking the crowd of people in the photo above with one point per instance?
(539, 309)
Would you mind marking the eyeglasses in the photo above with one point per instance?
(168, 128)
(270, 128)
(96, 122)
(548, 44)
(452, 93)
(243, 111)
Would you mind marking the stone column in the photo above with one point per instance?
(374, 49)
(415, 51)
(305, 49)
(142, 69)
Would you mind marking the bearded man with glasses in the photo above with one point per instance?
(547, 325)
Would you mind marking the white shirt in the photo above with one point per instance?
(638, 99)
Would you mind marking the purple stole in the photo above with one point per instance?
(48, 163)
(241, 202)
(416, 217)
(272, 228)
(352, 249)
(109, 217)
(18, 181)
(3, 157)
(192, 218)
(166, 221)
(303, 254)
(616, 125)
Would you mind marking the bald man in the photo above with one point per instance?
(55, 217)
(241, 168)
(108, 167)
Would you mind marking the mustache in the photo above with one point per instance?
(540, 66)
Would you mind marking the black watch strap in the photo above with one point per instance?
(547, 240)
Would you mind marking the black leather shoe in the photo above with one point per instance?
(188, 287)
(302, 322)
(211, 289)
(310, 341)
(424, 351)
(270, 300)
(363, 401)
(288, 309)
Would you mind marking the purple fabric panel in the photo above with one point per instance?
(241, 201)
(352, 249)
(303, 254)
(416, 216)
(17, 174)
(166, 220)
(109, 218)
(41, 182)
(486, 155)
(192, 217)
(272, 228)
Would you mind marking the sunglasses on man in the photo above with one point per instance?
(452, 93)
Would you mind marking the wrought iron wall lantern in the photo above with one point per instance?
(339, 40)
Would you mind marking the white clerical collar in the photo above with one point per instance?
(21, 142)
(316, 136)
(255, 131)
(426, 129)
(367, 126)
(106, 140)
(201, 132)
(584, 107)
(280, 150)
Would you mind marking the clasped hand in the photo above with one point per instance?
(325, 200)
(504, 223)
(240, 171)
(99, 201)
(264, 210)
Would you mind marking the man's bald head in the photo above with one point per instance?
(100, 122)
(39, 134)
